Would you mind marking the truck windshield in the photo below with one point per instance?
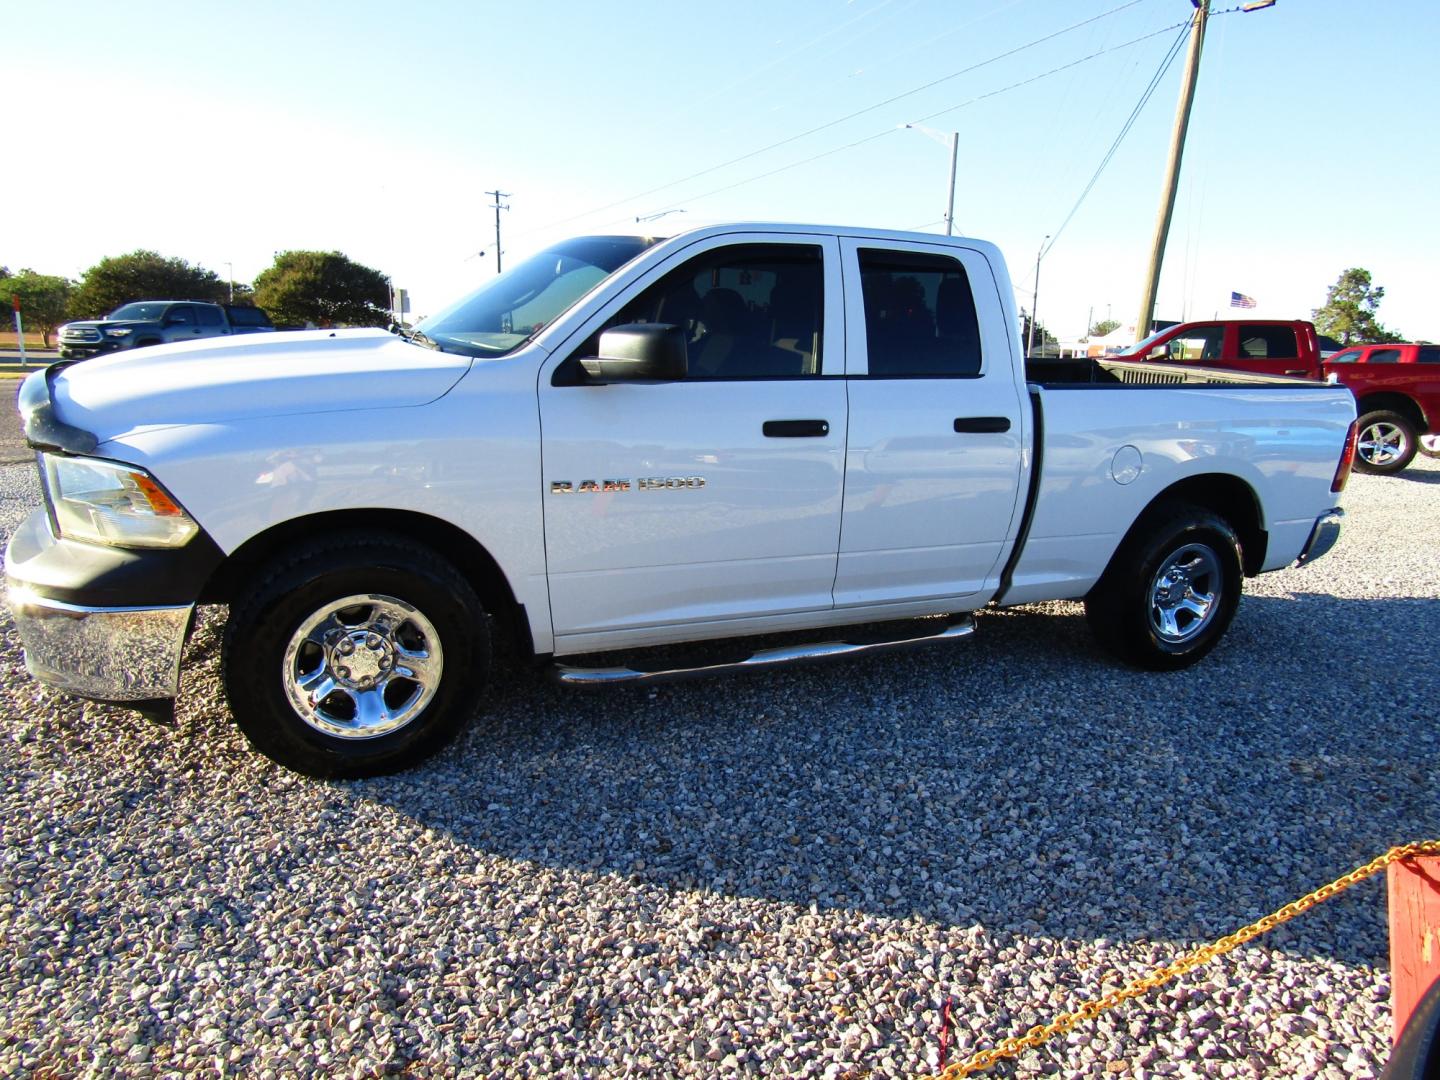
(1143, 346)
(140, 312)
(508, 310)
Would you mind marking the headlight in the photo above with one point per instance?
(104, 502)
(119, 332)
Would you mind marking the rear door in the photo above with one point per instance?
(1266, 349)
(180, 323)
(936, 424)
(715, 497)
(211, 320)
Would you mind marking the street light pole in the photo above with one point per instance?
(1035, 300)
(954, 160)
(230, 272)
(954, 141)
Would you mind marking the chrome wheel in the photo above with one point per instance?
(362, 666)
(1185, 594)
(1381, 443)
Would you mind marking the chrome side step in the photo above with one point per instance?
(959, 627)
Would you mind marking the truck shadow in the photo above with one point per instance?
(987, 781)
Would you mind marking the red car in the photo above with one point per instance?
(1396, 387)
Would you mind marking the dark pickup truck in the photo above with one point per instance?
(158, 322)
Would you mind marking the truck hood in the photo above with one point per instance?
(106, 324)
(222, 380)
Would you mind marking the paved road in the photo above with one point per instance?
(12, 442)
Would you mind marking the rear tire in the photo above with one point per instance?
(355, 655)
(1386, 443)
(1170, 591)
(1429, 445)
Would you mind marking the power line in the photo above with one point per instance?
(1145, 96)
(849, 116)
(931, 116)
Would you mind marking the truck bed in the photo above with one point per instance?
(1060, 374)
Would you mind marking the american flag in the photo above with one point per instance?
(1239, 299)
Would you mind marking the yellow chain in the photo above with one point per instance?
(1089, 1010)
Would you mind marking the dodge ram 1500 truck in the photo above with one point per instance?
(1396, 387)
(626, 442)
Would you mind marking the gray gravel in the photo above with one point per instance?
(782, 875)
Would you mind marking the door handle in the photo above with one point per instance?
(795, 429)
(982, 425)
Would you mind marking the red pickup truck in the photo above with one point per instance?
(1396, 387)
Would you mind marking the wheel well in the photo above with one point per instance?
(1396, 403)
(459, 547)
(1235, 501)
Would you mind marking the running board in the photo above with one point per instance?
(960, 627)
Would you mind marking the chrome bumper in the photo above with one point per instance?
(1322, 536)
(109, 654)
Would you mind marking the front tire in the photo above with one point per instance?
(1386, 443)
(1170, 591)
(355, 655)
(1429, 445)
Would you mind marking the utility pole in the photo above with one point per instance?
(1172, 169)
(498, 207)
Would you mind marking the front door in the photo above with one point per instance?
(936, 425)
(714, 497)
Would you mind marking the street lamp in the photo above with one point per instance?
(1035, 301)
(954, 140)
(230, 276)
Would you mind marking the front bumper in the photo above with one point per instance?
(105, 653)
(1322, 537)
(83, 350)
(104, 623)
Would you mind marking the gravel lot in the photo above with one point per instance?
(780, 875)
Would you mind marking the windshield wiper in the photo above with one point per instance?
(416, 337)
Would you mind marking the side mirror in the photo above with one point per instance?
(649, 352)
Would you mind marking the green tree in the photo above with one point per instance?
(1103, 327)
(1349, 311)
(142, 275)
(43, 299)
(1042, 335)
(323, 287)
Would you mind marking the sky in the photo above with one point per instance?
(223, 134)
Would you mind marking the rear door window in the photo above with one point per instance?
(920, 316)
(1384, 356)
(1259, 342)
(209, 316)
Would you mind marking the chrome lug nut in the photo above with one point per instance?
(346, 647)
(343, 672)
(372, 641)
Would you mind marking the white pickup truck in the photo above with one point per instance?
(627, 442)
